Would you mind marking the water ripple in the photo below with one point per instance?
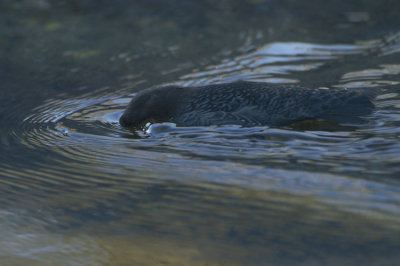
(83, 148)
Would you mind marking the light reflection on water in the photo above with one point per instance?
(259, 65)
(244, 188)
(266, 63)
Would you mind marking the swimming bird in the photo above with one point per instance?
(247, 104)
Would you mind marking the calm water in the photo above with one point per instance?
(78, 189)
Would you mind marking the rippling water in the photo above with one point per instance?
(78, 188)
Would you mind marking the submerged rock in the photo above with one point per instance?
(246, 104)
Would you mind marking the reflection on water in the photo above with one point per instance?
(265, 64)
(374, 76)
(77, 188)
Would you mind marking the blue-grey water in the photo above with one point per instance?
(78, 189)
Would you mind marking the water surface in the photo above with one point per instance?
(77, 188)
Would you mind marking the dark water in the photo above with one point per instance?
(77, 189)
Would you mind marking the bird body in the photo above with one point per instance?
(246, 104)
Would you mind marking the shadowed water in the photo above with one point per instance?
(77, 188)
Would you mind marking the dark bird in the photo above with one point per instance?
(246, 104)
